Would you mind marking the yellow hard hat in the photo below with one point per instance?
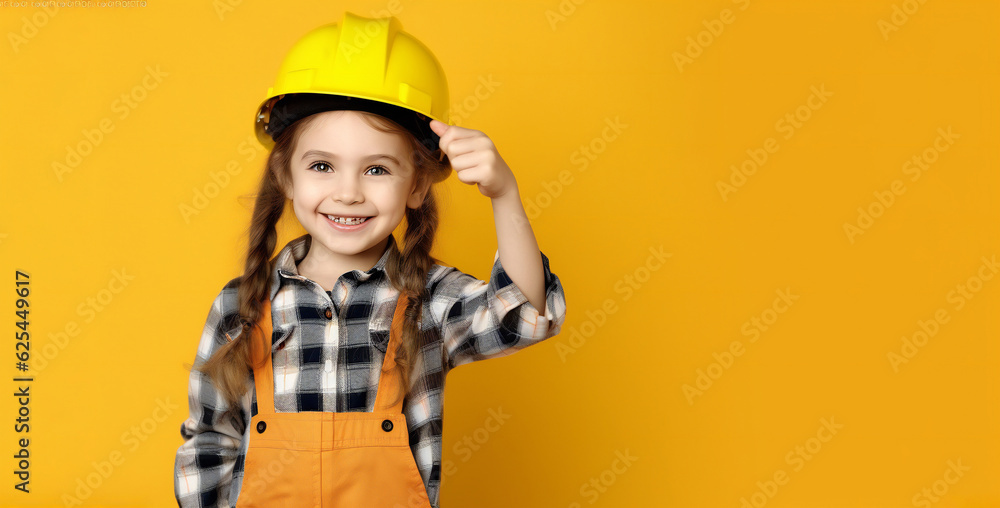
(364, 64)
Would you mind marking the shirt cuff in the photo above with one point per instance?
(516, 314)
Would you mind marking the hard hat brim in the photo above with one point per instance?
(296, 106)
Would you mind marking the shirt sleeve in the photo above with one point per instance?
(204, 465)
(479, 319)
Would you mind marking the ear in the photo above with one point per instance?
(419, 192)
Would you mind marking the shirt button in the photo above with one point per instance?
(261, 426)
(329, 313)
(386, 425)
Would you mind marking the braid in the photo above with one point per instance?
(229, 365)
(408, 271)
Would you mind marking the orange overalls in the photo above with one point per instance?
(322, 459)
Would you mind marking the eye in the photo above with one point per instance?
(320, 163)
(386, 171)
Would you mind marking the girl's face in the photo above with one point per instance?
(343, 170)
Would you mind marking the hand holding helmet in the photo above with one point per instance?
(475, 159)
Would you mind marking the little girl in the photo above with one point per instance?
(320, 371)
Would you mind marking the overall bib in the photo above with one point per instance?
(323, 459)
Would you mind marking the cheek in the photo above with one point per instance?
(383, 194)
(304, 203)
(307, 194)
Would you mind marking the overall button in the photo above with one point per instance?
(261, 426)
(386, 425)
(329, 313)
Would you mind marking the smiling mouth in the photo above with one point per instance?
(347, 221)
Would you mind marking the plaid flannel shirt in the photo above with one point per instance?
(333, 365)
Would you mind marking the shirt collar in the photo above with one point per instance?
(296, 250)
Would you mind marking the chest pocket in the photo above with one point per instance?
(378, 328)
(280, 338)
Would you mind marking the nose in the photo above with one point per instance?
(347, 189)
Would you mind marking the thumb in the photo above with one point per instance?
(439, 127)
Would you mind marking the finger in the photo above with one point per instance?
(464, 161)
(457, 146)
(462, 146)
(470, 175)
(455, 132)
(466, 177)
(439, 127)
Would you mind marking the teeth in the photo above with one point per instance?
(348, 221)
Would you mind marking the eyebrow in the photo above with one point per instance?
(329, 155)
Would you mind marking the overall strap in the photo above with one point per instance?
(263, 376)
(390, 379)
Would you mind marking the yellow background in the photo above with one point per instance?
(559, 72)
